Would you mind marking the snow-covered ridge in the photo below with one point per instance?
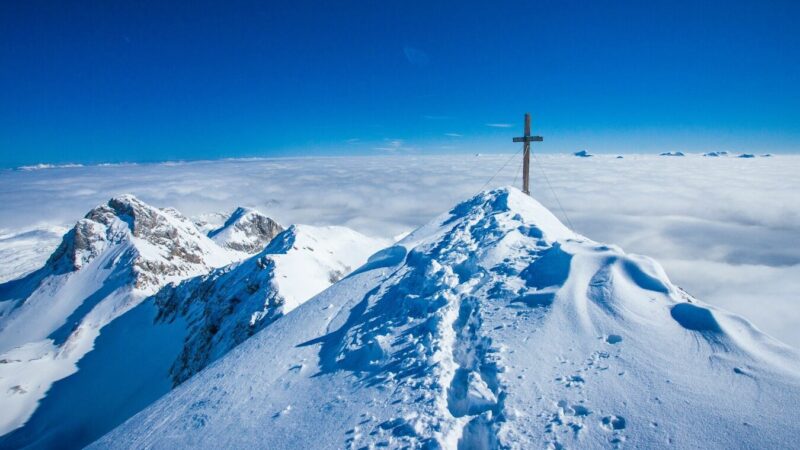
(164, 245)
(113, 258)
(494, 326)
(230, 304)
(117, 347)
(124, 245)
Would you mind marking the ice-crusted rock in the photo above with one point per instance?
(246, 230)
(494, 326)
(671, 154)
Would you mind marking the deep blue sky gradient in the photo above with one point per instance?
(108, 81)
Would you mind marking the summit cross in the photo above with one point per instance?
(526, 154)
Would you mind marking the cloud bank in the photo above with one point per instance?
(726, 229)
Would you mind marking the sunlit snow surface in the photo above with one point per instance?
(725, 228)
(138, 356)
(494, 326)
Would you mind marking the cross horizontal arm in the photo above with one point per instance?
(528, 139)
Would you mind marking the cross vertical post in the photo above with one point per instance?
(526, 158)
(526, 139)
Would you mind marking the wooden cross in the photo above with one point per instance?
(526, 154)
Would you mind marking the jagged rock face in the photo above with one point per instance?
(230, 304)
(246, 231)
(79, 246)
(222, 309)
(165, 244)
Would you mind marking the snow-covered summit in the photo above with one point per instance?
(123, 244)
(113, 258)
(494, 326)
(246, 230)
(162, 244)
(169, 337)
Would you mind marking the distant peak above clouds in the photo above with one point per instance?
(246, 230)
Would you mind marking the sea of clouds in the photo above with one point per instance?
(726, 229)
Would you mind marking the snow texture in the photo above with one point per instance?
(493, 326)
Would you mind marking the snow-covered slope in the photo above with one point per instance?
(246, 230)
(117, 255)
(230, 304)
(492, 327)
(170, 336)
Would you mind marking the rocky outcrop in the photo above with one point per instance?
(163, 243)
(246, 230)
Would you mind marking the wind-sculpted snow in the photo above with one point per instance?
(494, 327)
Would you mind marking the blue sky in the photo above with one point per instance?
(106, 81)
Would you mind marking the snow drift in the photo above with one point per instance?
(494, 326)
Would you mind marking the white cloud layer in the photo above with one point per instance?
(726, 229)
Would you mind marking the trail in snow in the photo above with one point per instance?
(494, 326)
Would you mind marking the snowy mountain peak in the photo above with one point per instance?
(504, 206)
(110, 261)
(494, 326)
(94, 328)
(246, 230)
(160, 244)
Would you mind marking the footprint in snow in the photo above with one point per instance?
(613, 423)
